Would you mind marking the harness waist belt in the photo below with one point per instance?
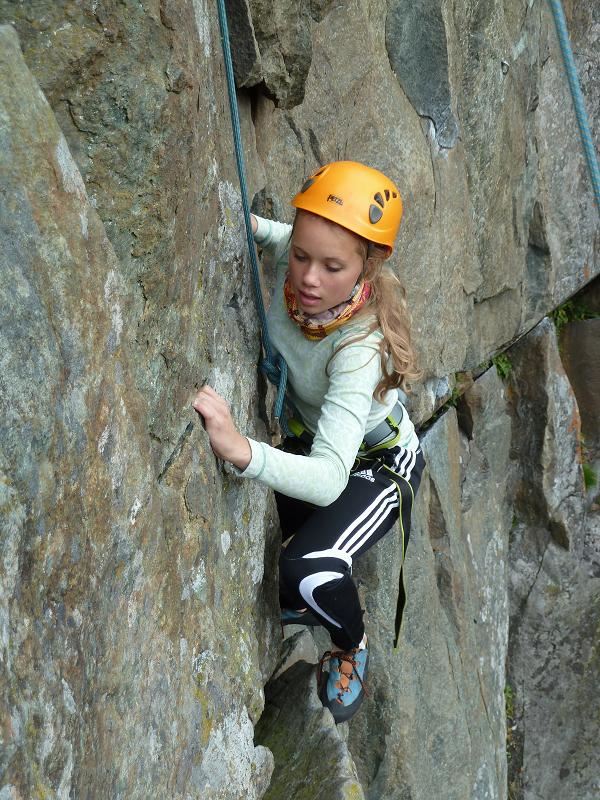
(386, 433)
(386, 428)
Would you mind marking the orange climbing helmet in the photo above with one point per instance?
(357, 197)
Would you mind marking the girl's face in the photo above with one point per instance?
(325, 263)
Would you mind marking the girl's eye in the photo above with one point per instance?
(299, 256)
(332, 268)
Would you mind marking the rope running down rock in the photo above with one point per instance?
(578, 102)
(274, 369)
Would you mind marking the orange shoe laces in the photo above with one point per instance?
(347, 670)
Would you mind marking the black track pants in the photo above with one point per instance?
(316, 566)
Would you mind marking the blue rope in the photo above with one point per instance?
(578, 102)
(274, 369)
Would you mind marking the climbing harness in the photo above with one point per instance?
(274, 368)
(578, 102)
(382, 437)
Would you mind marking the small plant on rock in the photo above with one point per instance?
(571, 311)
(503, 365)
(590, 477)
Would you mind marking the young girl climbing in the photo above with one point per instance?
(338, 317)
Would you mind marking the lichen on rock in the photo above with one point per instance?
(139, 624)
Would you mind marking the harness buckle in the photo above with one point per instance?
(386, 434)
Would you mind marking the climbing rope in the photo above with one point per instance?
(274, 369)
(578, 102)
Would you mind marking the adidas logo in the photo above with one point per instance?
(367, 474)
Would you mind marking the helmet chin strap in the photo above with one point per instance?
(357, 286)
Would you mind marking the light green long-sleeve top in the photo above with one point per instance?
(336, 403)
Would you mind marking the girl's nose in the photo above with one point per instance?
(311, 275)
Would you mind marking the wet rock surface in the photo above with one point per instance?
(416, 35)
(580, 352)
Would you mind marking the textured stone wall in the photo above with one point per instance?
(138, 617)
(553, 666)
(133, 565)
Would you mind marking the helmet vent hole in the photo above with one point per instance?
(375, 214)
(378, 199)
(394, 195)
(307, 184)
(387, 194)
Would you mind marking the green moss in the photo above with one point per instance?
(454, 397)
(353, 792)
(206, 725)
(456, 393)
(509, 701)
(590, 477)
(509, 704)
(571, 311)
(553, 590)
(503, 365)
(39, 789)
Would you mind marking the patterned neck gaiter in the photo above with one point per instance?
(322, 324)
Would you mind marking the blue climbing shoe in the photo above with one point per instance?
(306, 617)
(342, 689)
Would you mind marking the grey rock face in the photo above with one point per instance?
(116, 612)
(415, 38)
(580, 351)
(271, 44)
(244, 47)
(546, 439)
(138, 614)
(438, 698)
(553, 668)
(283, 32)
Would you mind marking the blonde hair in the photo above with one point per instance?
(387, 304)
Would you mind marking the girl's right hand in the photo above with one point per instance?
(225, 439)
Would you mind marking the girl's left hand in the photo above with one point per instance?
(225, 439)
